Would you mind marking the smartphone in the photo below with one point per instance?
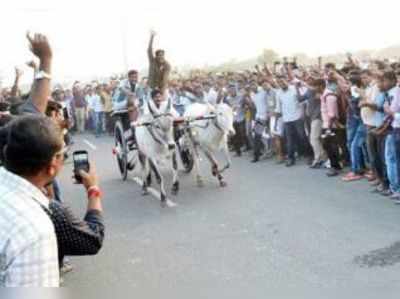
(65, 113)
(81, 162)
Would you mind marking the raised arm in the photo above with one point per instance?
(290, 72)
(259, 71)
(353, 62)
(271, 81)
(343, 85)
(320, 63)
(150, 48)
(40, 92)
(266, 70)
(276, 63)
(14, 89)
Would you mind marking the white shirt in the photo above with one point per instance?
(127, 85)
(211, 96)
(28, 245)
(367, 114)
(261, 102)
(89, 100)
(288, 104)
(96, 104)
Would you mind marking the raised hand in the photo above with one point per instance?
(89, 179)
(40, 47)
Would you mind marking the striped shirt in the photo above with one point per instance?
(28, 246)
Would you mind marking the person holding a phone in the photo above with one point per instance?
(77, 237)
(74, 236)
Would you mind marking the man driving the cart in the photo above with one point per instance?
(126, 97)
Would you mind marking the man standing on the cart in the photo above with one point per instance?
(159, 68)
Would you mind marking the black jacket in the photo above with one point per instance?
(74, 236)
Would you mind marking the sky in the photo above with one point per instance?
(98, 38)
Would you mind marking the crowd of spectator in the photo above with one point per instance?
(337, 118)
(333, 117)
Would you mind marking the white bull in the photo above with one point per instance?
(154, 135)
(210, 136)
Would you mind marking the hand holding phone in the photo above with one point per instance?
(89, 179)
(81, 163)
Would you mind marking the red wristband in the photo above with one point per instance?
(94, 191)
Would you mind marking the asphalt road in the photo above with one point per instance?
(272, 227)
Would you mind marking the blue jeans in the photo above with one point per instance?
(296, 139)
(99, 118)
(91, 121)
(356, 140)
(396, 135)
(392, 162)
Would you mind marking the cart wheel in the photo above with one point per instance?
(187, 159)
(121, 150)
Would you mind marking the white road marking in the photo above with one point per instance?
(155, 193)
(93, 147)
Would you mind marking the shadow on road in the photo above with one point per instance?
(383, 257)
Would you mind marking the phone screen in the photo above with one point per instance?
(81, 162)
(81, 157)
